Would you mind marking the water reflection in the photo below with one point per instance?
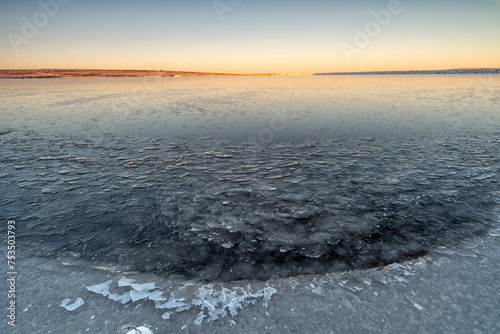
(234, 108)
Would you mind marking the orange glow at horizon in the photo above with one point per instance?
(254, 37)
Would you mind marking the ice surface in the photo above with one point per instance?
(299, 209)
(156, 295)
(418, 306)
(267, 294)
(319, 204)
(101, 288)
(123, 298)
(221, 303)
(199, 319)
(213, 302)
(125, 281)
(173, 303)
(140, 330)
(71, 307)
(495, 232)
(142, 287)
(167, 315)
(138, 295)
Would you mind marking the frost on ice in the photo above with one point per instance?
(143, 287)
(216, 304)
(173, 303)
(102, 288)
(125, 281)
(124, 298)
(155, 295)
(141, 330)
(213, 302)
(71, 307)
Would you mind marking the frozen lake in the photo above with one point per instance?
(254, 204)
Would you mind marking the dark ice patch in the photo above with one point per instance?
(283, 210)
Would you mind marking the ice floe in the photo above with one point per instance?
(71, 307)
(212, 302)
(138, 330)
(101, 288)
(143, 287)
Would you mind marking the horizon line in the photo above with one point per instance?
(77, 72)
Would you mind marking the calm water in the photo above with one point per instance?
(262, 108)
(251, 177)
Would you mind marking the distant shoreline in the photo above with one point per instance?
(453, 71)
(77, 73)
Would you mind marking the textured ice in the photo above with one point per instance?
(140, 330)
(122, 298)
(138, 295)
(143, 287)
(173, 303)
(213, 302)
(428, 198)
(125, 281)
(156, 295)
(495, 232)
(300, 208)
(221, 303)
(71, 307)
(267, 293)
(199, 319)
(101, 288)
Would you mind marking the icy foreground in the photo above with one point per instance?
(135, 228)
(450, 291)
(213, 211)
(212, 304)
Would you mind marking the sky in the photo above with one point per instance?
(250, 36)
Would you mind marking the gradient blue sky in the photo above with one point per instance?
(257, 36)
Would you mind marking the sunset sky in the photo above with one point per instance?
(250, 36)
